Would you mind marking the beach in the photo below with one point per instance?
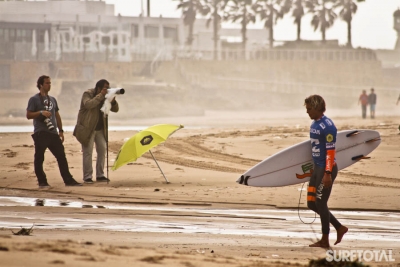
(202, 217)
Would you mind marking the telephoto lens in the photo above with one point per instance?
(117, 91)
(49, 124)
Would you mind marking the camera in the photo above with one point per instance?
(111, 92)
(49, 124)
(116, 91)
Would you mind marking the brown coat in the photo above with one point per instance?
(88, 115)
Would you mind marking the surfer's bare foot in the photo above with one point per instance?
(340, 233)
(320, 244)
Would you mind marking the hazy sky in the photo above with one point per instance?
(372, 24)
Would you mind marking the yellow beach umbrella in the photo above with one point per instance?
(142, 142)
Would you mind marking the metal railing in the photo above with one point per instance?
(142, 52)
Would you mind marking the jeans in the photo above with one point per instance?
(42, 141)
(97, 138)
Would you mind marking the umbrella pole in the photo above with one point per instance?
(106, 132)
(159, 167)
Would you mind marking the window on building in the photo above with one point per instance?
(88, 29)
(106, 40)
(134, 30)
(150, 32)
(11, 34)
(107, 29)
(5, 36)
(4, 76)
(171, 33)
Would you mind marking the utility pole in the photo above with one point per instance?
(148, 8)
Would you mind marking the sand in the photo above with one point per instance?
(202, 217)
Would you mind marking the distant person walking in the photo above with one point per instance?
(363, 100)
(372, 102)
(43, 110)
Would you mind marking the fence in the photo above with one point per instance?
(148, 51)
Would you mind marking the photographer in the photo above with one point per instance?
(43, 109)
(91, 129)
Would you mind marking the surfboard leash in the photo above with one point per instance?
(298, 208)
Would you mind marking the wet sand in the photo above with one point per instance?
(202, 218)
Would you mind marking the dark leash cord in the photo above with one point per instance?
(298, 208)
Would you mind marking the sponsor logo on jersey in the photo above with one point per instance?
(314, 141)
(314, 131)
(329, 122)
(322, 125)
(330, 145)
(329, 138)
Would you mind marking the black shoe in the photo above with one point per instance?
(102, 179)
(43, 186)
(73, 183)
(88, 181)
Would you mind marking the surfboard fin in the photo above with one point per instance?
(353, 133)
(243, 179)
(360, 157)
(373, 140)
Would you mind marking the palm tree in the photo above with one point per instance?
(323, 15)
(242, 11)
(298, 13)
(189, 12)
(212, 9)
(271, 11)
(348, 8)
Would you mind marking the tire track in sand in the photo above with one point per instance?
(189, 152)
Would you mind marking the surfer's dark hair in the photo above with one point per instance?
(316, 102)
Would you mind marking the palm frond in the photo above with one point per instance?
(354, 7)
(315, 22)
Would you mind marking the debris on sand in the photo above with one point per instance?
(24, 231)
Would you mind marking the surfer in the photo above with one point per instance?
(323, 140)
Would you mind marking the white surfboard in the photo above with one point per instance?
(294, 165)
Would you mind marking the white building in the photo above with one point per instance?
(74, 29)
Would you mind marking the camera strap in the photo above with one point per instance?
(44, 104)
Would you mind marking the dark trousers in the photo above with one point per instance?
(318, 196)
(44, 140)
(364, 111)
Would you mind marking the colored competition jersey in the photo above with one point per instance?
(323, 137)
